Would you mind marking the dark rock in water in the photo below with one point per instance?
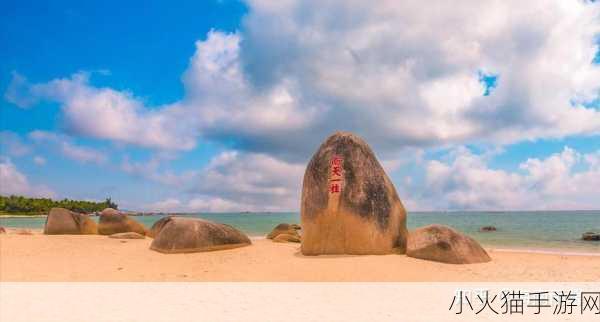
(349, 205)
(2, 230)
(283, 229)
(128, 235)
(188, 235)
(287, 238)
(443, 244)
(157, 226)
(591, 236)
(62, 221)
(112, 222)
(487, 229)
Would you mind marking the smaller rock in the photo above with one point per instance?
(443, 244)
(487, 229)
(286, 238)
(112, 221)
(190, 235)
(591, 236)
(283, 229)
(2, 230)
(128, 235)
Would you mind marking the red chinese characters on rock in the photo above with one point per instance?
(336, 176)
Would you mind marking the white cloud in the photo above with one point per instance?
(467, 182)
(13, 182)
(106, 113)
(152, 170)
(167, 205)
(68, 149)
(11, 144)
(232, 181)
(256, 181)
(217, 204)
(398, 74)
(39, 160)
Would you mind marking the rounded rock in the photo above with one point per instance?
(349, 205)
(62, 221)
(443, 244)
(189, 235)
(113, 221)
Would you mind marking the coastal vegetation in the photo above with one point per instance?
(24, 206)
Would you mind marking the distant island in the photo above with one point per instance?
(24, 206)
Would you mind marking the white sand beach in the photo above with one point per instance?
(86, 258)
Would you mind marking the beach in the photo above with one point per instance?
(94, 258)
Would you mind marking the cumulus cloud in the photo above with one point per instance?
(167, 205)
(68, 149)
(397, 73)
(466, 181)
(11, 144)
(257, 181)
(39, 160)
(153, 170)
(232, 181)
(106, 113)
(13, 182)
(400, 73)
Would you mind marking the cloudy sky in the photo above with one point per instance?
(218, 106)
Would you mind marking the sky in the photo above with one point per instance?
(217, 106)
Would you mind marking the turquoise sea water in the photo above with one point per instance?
(559, 230)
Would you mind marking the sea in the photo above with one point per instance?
(534, 231)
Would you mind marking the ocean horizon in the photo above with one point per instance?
(538, 231)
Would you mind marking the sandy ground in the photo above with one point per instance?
(99, 258)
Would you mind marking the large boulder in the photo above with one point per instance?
(113, 221)
(2, 230)
(349, 205)
(443, 244)
(157, 227)
(290, 229)
(62, 221)
(189, 235)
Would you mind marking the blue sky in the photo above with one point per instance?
(218, 105)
